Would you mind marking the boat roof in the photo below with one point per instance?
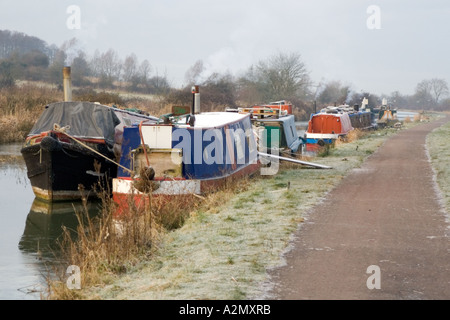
(213, 119)
(82, 119)
(344, 108)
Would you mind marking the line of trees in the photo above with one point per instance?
(24, 57)
(282, 76)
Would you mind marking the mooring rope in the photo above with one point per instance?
(57, 128)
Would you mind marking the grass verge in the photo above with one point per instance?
(437, 145)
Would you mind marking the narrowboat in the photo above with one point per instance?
(360, 118)
(185, 155)
(386, 116)
(326, 126)
(275, 127)
(334, 122)
(74, 147)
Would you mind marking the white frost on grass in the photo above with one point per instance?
(437, 149)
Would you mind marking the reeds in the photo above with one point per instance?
(352, 136)
(21, 106)
(111, 243)
(19, 109)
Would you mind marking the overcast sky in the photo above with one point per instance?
(345, 40)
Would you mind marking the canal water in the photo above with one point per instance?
(20, 269)
(402, 115)
(30, 231)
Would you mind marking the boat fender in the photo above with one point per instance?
(145, 182)
(321, 143)
(147, 173)
(50, 144)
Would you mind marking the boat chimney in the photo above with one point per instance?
(67, 84)
(195, 100)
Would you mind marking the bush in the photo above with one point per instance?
(106, 98)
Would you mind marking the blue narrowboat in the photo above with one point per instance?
(184, 155)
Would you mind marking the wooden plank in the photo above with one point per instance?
(316, 165)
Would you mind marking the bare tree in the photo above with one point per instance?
(145, 70)
(439, 89)
(58, 63)
(111, 64)
(12, 41)
(80, 69)
(398, 100)
(423, 95)
(158, 84)
(334, 92)
(106, 66)
(6, 75)
(282, 76)
(130, 67)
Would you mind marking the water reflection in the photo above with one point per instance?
(40, 243)
(45, 221)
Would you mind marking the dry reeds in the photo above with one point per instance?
(417, 117)
(109, 244)
(19, 109)
(353, 135)
(21, 106)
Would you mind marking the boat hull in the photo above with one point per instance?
(70, 149)
(125, 193)
(169, 162)
(66, 173)
(361, 120)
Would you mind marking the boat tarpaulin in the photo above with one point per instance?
(83, 119)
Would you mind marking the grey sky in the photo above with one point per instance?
(331, 36)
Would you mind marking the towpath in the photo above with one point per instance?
(380, 234)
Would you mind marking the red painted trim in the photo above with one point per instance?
(206, 186)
